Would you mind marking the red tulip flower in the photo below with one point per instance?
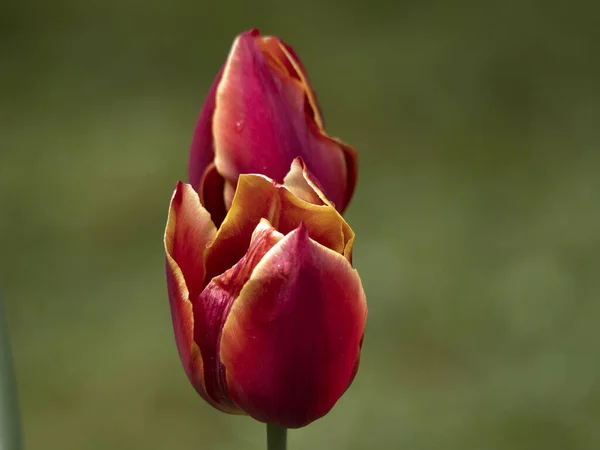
(260, 114)
(267, 310)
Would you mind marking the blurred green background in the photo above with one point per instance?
(477, 215)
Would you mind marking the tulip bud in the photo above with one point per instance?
(260, 114)
(267, 310)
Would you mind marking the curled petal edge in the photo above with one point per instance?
(186, 216)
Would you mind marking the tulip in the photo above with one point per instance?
(267, 310)
(260, 114)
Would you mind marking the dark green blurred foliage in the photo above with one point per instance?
(477, 216)
(10, 425)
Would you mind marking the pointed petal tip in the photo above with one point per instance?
(248, 36)
(300, 237)
(300, 181)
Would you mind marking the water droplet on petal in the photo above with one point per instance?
(239, 125)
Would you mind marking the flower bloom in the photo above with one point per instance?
(267, 310)
(260, 114)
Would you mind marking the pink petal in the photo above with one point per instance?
(261, 122)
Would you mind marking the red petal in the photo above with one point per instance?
(261, 123)
(189, 229)
(254, 128)
(212, 307)
(291, 341)
(338, 179)
(202, 150)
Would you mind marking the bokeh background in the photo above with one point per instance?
(477, 215)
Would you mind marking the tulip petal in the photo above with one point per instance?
(292, 337)
(261, 124)
(202, 149)
(253, 129)
(351, 159)
(324, 224)
(255, 199)
(286, 57)
(188, 231)
(258, 197)
(302, 183)
(211, 308)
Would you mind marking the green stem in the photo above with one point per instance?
(276, 437)
(10, 428)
